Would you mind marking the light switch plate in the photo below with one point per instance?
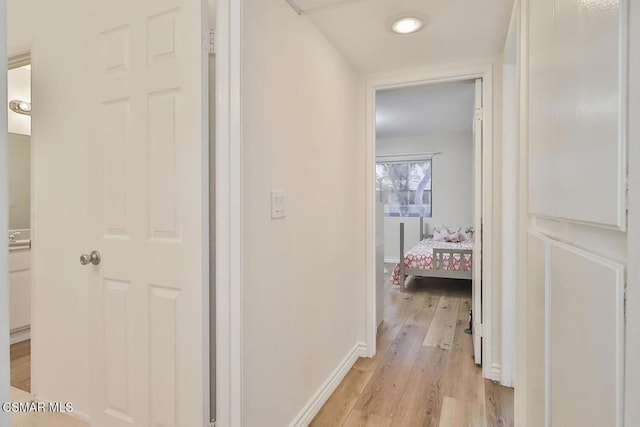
(278, 204)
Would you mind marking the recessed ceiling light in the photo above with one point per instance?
(407, 25)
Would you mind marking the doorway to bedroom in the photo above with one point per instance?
(430, 193)
(429, 163)
(427, 175)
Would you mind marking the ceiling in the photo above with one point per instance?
(455, 30)
(442, 108)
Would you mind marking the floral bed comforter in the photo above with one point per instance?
(421, 256)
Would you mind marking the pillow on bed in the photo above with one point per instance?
(439, 234)
(453, 238)
(453, 235)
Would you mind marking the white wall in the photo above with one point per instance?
(303, 276)
(58, 41)
(19, 181)
(452, 184)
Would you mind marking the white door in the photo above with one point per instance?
(477, 247)
(576, 123)
(148, 210)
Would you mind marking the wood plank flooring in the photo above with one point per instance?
(21, 365)
(423, 373)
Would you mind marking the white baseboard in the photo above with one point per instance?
(20, 335)
(496, 372)
(320, 397)
(78, 415)
(392, 260)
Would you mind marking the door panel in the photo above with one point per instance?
(585, 324)
(148, 174)
(117, 349)
(577, 92)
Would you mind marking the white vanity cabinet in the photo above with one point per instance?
(20, 293)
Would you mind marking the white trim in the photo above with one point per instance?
(632, 339)
(301, 11)
(19, 59)
(320, 397)
(496, 372)
(20, 335)
(405, 157)
(510, 202)
(78, 415)
(623, 122)
(205, 178)
(412, 77)
(228, 214)
(4, 222)
(521, 356)
(478, 214)
(547, 329)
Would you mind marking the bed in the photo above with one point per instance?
(432, 258)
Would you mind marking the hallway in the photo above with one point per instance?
(423, 373)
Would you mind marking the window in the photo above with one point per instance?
(404, 186)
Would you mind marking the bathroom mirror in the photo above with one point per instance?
(19, 147)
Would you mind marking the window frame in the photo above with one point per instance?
(408, 158)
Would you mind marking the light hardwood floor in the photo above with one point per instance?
(20, 392)
(21, 365)
(423, 373)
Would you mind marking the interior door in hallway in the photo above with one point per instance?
(575, 63)
(148, 210)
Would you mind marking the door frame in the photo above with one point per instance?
(632, 334)
(5, 378)
(414, 77)
(512, 208)
(228, 213)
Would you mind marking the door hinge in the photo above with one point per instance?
(479, 330)
(479, 113)
(626, 194)
(212, 41)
